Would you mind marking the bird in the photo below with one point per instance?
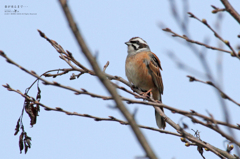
(142, 68)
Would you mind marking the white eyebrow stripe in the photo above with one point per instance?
(140, 40)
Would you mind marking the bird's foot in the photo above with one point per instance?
(146, 93)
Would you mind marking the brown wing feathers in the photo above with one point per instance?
(154, 66)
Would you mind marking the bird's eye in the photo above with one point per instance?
(135, 42)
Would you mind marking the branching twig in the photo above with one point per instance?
(216, 9)
(204, 21)
(151, 101)
(179, 129)
(195, 42)
(208, 70)
(105, 66)
(111, 118)
(105, 81)
(224, 95)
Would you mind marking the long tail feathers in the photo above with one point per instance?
(160, 120)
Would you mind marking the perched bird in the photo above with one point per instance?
(143, 71)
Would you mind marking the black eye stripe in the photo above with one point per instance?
(135, 42)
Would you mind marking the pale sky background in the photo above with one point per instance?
(106, 25)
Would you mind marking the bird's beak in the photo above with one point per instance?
(127, 43)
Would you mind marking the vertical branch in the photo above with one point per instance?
(105, 82)
(219, 62)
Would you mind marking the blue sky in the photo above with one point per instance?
(106, 25)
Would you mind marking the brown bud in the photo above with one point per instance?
(206, 149)
(226, 42)
(84, 90)
(190, 14)
(56, 84)
(183, 139)
(167, 29)
(209, 82)
(185, 36)
(214, 11)
(2, 53)
(204, 21)
(233, 54)
(187, 144)
(86, 115)
(229, 148)
(223, 95)
(73, 77)
(33, 72)
(59, 109)
(192, 111)
(191, 79)
(68, 113)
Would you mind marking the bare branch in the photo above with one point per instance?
(195, 42)
(178, 128)
(151, 102)
(226, 42)
(224, 95)
(231, 10)
(111, 118)
(105, 66)
(156, 104)
(216, 9)
(105, 81)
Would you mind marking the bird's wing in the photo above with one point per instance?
(155, 67)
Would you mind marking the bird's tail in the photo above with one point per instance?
(161, 123)
(160, 120)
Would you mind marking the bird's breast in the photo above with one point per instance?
(137, 71)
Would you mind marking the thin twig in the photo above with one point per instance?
(224, 95)
(179, 129)
(216, 9)
(226, 42)
(111, 118)
(83, 91)
(105, 66)
(195, 42)
(151, 102)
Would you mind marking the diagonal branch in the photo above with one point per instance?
(129, 101)
(226, 42)
(105, 81)
(224, 95)
(193, 41)
(183, 133)
(216, 9)
(231, 10)
(110, 118)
